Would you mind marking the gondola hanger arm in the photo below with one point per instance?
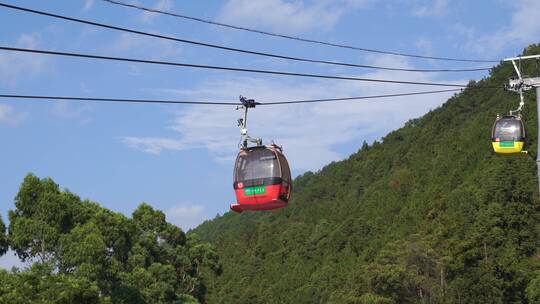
(242, 122)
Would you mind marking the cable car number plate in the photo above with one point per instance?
(506, 144)
(248, 191)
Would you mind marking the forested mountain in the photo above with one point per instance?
(428, 215)
(80, 252)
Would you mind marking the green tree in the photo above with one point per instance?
(42, 214)
(369, 298)
(3, 238)
(533, 289)
(84, 253)
(40, 284)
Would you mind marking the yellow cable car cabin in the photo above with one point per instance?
(508, 134)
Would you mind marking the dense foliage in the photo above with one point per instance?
(3, 238)
(428, 215)
(83, 253)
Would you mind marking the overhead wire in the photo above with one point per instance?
(225, 68)
(120, 100)
(226, 48)
(92, 56)
(359, 97)
(326, 43)
(269, 103)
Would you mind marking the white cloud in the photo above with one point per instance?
(309, 133)
(186, 216)
(157, 48)
(435, 8)
(153, 145)
(68, 111)
(523, 29)
(10, 260)
(9, 116)
(14, 65)
(289, 17)
(425, 46)
(88, 4)
(162, 5)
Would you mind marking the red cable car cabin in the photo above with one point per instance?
(262, 179)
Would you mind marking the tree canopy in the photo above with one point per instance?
(82, 253)
(3, 238)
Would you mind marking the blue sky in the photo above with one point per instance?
(179, 158)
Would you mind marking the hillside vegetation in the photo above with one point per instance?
(428, 215)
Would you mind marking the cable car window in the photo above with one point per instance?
(509, 130)
(286, 171)
(257, 164)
